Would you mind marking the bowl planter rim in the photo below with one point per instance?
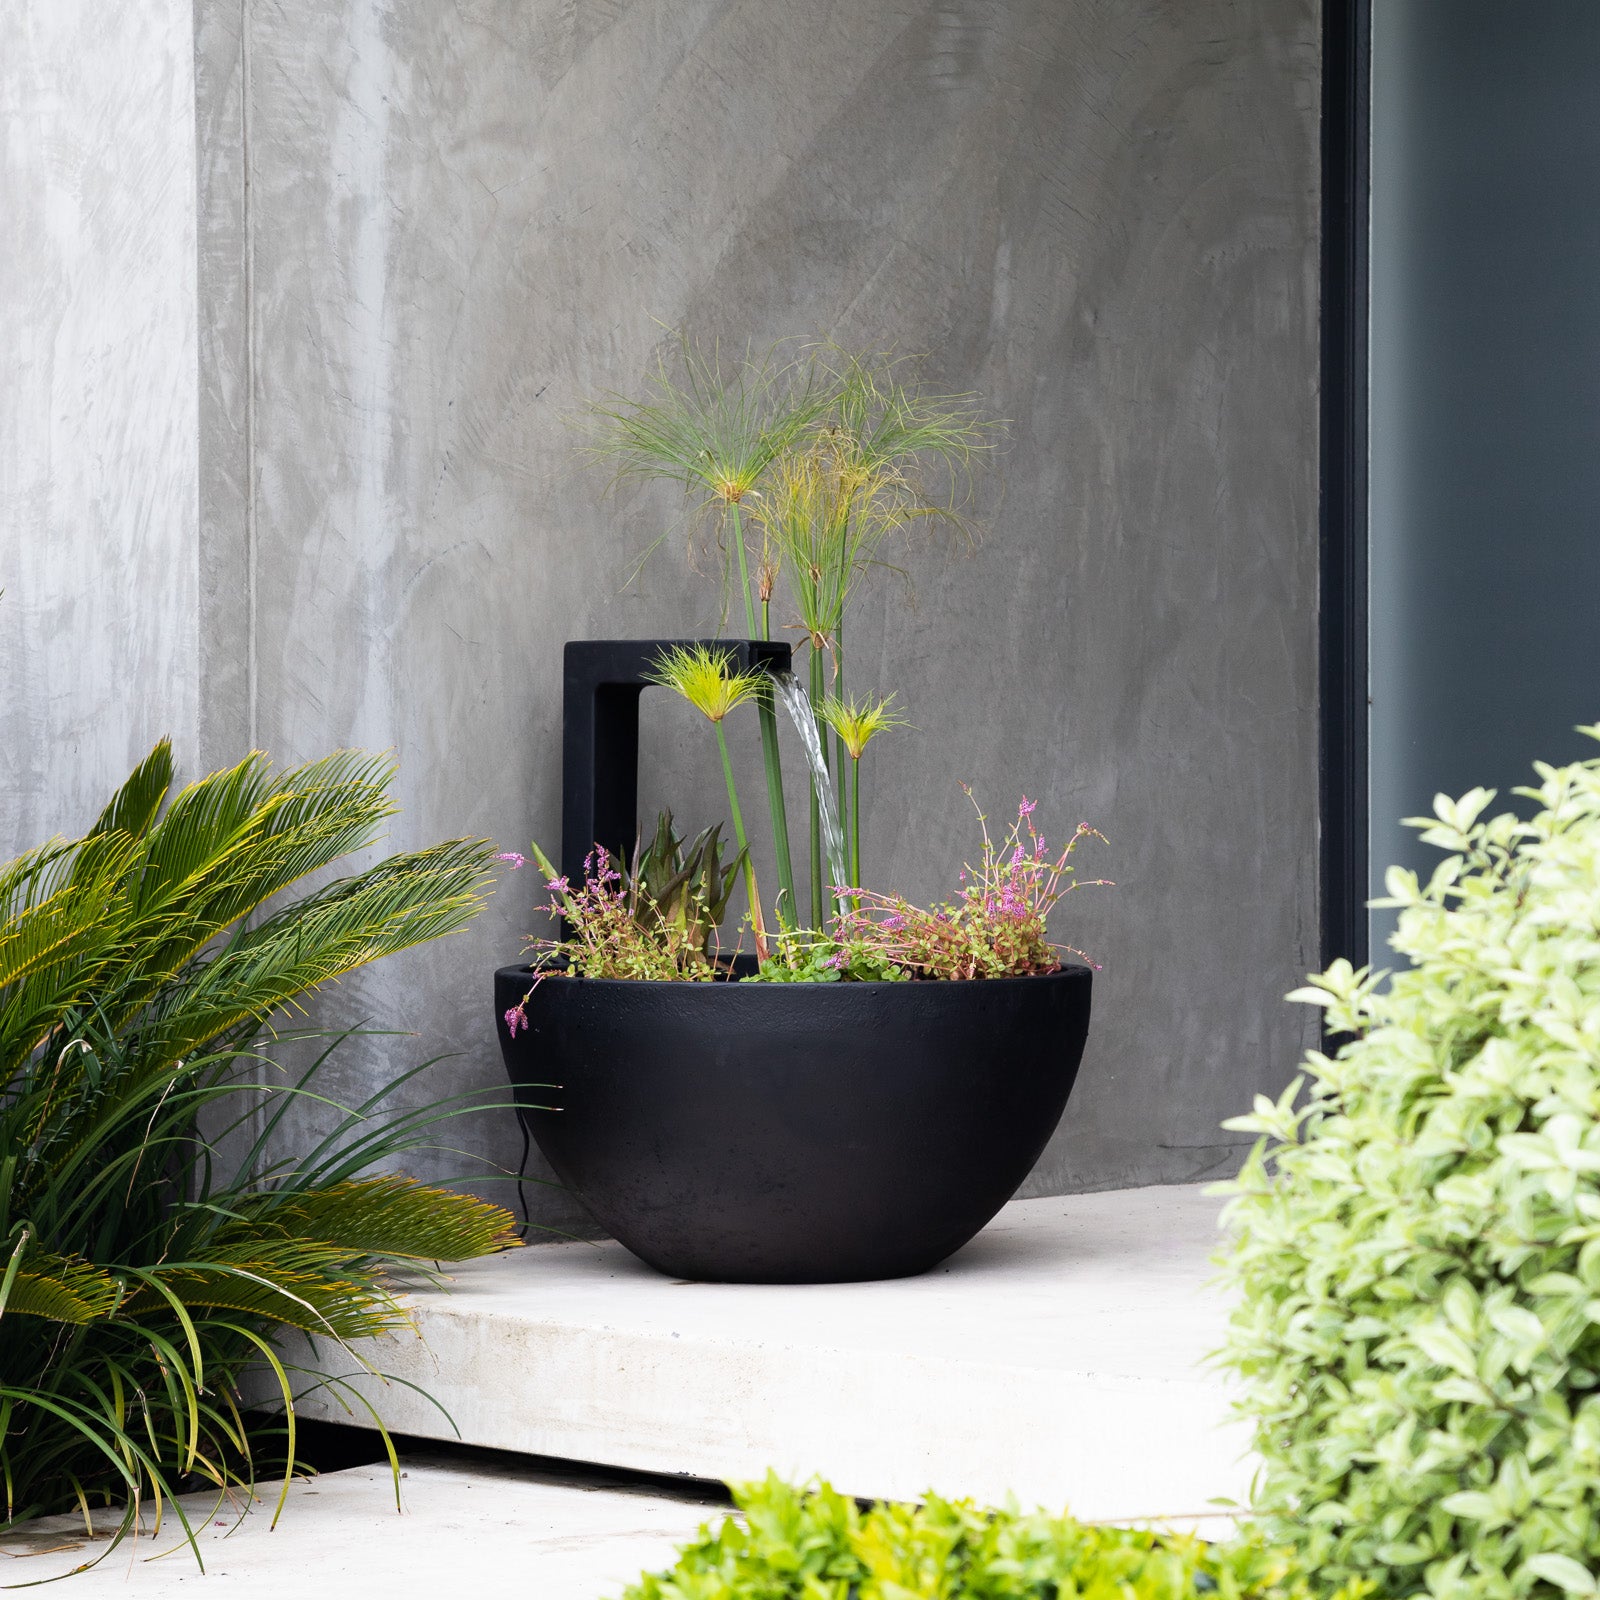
(735, 981)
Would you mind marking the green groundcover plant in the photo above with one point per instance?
(813, 1543)
(1417, 1241)
(139, 1275)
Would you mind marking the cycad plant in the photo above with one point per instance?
(139, 966)
(806, 462)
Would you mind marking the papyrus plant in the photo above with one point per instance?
(855, 724)
(804, 462)
(716, 428)
(1416, 1241)
(703, 678)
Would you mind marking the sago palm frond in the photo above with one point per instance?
(404, 901)
(387, 1216)
(263, 832)
(39, 1283)
(64, 927)
(293, 1282)
(232, 842)
(137, 803)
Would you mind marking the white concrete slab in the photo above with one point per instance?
(482, 1529)
(1058, 1358)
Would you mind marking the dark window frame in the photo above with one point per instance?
(1343, 691)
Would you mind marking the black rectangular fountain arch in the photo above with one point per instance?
(602, 680)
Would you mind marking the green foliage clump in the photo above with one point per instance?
(804, 957)
(1417, 1245)
(139, 1273)
(816, 1544)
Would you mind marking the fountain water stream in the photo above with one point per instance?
(798, 704)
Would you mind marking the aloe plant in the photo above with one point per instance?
(686, 891)
(656, 918)
(139, 1277)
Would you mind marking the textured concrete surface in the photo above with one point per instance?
(429, 233)
(98, 403)
(492, 1528)
(1057, 1358)
(426, 234)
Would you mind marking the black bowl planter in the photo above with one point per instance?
(772, 1133)
(794, 1133)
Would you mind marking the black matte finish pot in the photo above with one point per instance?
(793, 1133)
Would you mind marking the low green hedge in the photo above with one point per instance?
(817, 1544)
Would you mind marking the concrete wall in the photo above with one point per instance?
(428, 233)
(98, 404)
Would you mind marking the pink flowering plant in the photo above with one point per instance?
(996, 928)
(619, 932)
(658, 918)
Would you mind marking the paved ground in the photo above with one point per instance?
(468, 1531)
(1057, 1358)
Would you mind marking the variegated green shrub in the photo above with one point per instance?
(1416, 1242)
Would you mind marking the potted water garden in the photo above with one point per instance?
(847, 1085)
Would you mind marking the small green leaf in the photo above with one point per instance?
(1472, 1503)
(1563, 1572)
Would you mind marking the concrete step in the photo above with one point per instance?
(1057, 1359)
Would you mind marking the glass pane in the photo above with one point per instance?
(1485, 414)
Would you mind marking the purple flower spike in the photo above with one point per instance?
(1026, 808)
(517, 860)
(514, 1020)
